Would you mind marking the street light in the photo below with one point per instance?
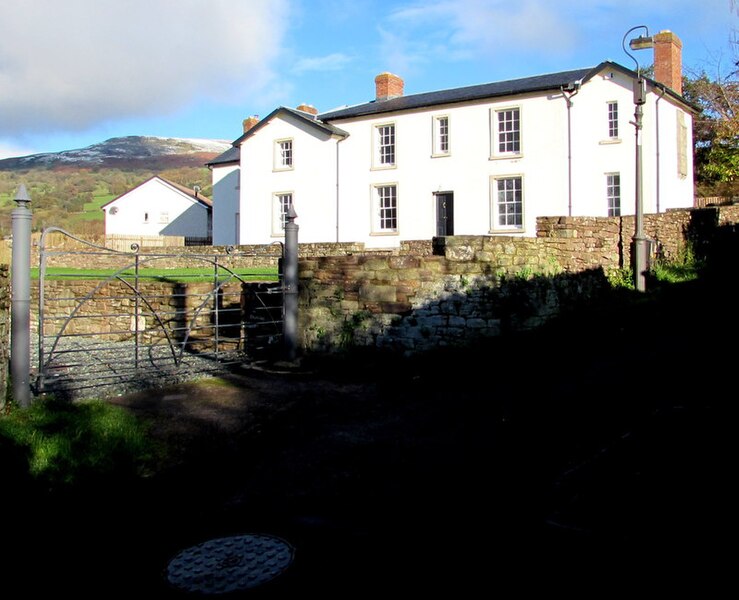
(640, 242)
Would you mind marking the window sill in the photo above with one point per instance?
(441, 155)
(281, 169)
(506, 157)
(383, 233)
(505, 231)
(610, 141)
(384, 167)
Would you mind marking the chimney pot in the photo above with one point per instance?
(668, 62)
(388, 86)
(309, 108)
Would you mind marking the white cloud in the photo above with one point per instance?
(463, 29)
(66, 66)
(10, 150)
(331, 62)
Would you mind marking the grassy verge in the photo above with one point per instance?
(93, 206)
(62, 443)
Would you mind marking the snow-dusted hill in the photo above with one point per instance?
(136, 151)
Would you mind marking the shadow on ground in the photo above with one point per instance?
(592, 455)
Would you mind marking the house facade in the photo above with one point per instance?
(225, 174)
(159, 207)
(479, 160)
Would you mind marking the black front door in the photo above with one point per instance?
(444, 213)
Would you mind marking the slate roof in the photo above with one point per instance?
(190, 192)
(308, 118)
(511, 87)
(204, 200)
(229, 156)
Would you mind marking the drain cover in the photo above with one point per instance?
(230, 564)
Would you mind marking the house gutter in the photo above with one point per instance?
(573, 89)
(656, 111)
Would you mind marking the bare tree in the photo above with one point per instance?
(716, 129)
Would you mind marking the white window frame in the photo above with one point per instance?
(284, 160)
(682, 146)
(613, 194)
(441, 144)
(377, 144)
(378, 216)
(279, 211)
(613, 119)
(164, 217)
(496, 132)
(495, 212)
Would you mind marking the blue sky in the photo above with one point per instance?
(78, 72)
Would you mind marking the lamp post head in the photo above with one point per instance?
(21, 197)
(638, 43)
(643, 42)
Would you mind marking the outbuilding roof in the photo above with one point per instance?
(229, 156)
(195, 195)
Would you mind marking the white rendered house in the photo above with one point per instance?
(159, 207)
(480, 160)
(225, 173)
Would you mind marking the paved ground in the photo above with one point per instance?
(593, 457)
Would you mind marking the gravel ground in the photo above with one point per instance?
(84, 368)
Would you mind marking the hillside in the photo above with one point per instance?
(131, 152)
(68, 188)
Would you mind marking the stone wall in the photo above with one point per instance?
(480, 286)
(108, 309)
(416, 303)
(63, 251)
(583, 242)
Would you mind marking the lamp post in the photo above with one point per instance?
(290, 286)
(639, 241)
(20, 285)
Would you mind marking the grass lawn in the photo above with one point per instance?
(97, 201)
(63, 443)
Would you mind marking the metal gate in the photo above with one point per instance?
(132, 321)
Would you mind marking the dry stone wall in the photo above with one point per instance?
(63, 251)
(108, 309)
(583, 242)
(409, 304)
(480, 286)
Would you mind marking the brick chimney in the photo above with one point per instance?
(249, 122)
(308, 108)
(668, 60)
(388, 86)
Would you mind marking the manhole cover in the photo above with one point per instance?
(230, 564)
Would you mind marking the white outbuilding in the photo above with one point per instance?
(158, 207)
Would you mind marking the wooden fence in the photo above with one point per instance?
(712, 201)
(123, 243)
